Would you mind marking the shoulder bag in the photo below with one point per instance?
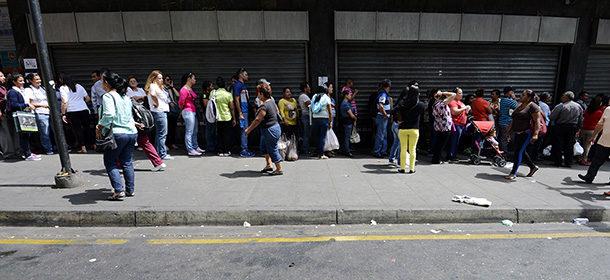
(107, 143)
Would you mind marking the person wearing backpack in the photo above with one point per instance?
(189, 114)
(210, 124)
(322, 114)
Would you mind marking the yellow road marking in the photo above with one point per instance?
(377, 238)
(309, 239)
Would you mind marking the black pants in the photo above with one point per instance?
(224, 134)
(439, 146)
(522, 140)
(80, 122)
(601, 155)
(564, 143)
(172, 123)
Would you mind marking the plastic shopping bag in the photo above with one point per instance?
(332, 143)
(578, 149)
(355, 138)
(292, 149)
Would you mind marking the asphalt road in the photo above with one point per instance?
(482, 251)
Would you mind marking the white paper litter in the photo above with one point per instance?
(471, 200)
(92, 260)
(247, 225)
(373, 223)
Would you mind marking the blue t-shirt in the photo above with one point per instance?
(239, 89)
(384, 99)
(345, 107)
(507, 105)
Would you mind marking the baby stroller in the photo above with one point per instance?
(486, 145)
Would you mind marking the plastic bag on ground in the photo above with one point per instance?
(471, 200)
(292, 149)
(332, 143)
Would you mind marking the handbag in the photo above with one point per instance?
(25, 122)
(543, 127)
(355, 137)
(107, 143)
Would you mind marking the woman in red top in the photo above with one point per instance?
(592, 116)
(458, 114)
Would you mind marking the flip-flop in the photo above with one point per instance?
(607, 193)
(266, 169)
(276, 173)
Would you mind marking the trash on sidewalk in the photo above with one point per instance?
(435, 231)
(508, 223)
(373, 223)
(247, 225)
(580, 221)
(471, 200)
(92, 260)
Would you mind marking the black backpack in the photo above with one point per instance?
(143, 116)
(373, 104)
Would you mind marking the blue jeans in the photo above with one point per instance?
(244, 138)
(347, 128)
(320, 127)
(381, 138)
(454, 141)
(269, 138)
(124, 154)
(306, 133)
(44, 129)
(210, 135)
(161, 133)
(191, 127)
(395, 150)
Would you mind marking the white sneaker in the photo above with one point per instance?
(33, 157)
(200, 150)
(158, 167)
(194, 153)
(168, 157)
(323, 157)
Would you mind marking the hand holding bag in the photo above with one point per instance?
(107, 143)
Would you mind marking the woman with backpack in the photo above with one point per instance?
(115, 115)
(322, 114)
(189, 114)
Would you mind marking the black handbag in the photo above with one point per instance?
(107, 143)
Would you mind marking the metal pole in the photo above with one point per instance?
(64, 178)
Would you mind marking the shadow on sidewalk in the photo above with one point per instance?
(243, 174)
(379, 166)
(96, 172)
(88, 197)
(498, 178)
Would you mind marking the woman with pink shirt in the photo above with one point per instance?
(189, 114)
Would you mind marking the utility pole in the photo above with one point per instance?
(67, 177)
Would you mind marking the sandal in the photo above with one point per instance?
(532, 171)
(510, 177)
(82, 151)
(607, 193)
(276, 173)
(266, 169)
(117, 196)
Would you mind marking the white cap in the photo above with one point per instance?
(263, 81)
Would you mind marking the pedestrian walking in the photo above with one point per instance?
(592, 115)
(115, 114)
(526, 125)
(189, 114)
(266, 118)
(602, 148)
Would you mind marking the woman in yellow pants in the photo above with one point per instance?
(409, 112)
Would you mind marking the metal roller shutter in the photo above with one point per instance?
(283, 65)
(597, 79)
(445, 67)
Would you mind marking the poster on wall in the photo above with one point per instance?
(10, 61)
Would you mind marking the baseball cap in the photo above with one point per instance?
(263, 81)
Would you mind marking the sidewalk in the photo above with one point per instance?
(211, 190)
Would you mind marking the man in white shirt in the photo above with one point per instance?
(304, 102)
(602, 151)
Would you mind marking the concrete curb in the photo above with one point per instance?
(152, 217)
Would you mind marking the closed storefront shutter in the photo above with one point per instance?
(283, 65)
(445, 66)
(597, 79)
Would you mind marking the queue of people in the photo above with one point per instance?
(444, 123)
